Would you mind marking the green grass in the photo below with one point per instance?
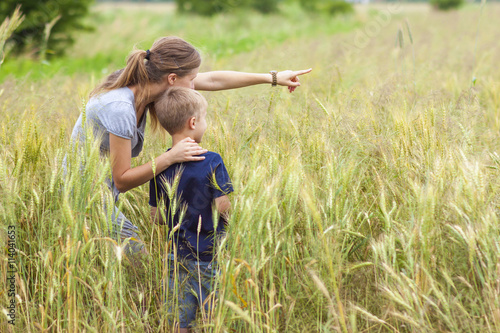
(217, 37)
(365, 201)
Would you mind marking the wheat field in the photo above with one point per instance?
(366, 201)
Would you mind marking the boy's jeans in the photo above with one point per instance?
(190, 288)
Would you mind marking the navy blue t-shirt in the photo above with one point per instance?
(197, 191)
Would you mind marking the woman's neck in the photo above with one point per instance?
(155, 90)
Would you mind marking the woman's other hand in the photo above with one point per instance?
(186, 150)
(291, 78)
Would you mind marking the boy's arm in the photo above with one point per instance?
(156, 216)
(223, 205)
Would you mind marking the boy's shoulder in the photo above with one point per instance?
(212, 159)
(211, 155)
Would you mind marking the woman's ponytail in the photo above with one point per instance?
(134, 73)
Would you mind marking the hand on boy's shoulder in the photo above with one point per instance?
(210, 158)
(208, 154)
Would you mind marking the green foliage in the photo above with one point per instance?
(229, 35)
(327, 6)
(211, 7)
(446, 4)
(338, 7)
(48, 26)
(265, 6)
(205, 8)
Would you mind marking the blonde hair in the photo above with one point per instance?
(167, 55)
(176, 106)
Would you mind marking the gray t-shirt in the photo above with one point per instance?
(112, 112)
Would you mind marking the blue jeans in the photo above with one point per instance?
(125, 231)
(119, 227)
(191, 288)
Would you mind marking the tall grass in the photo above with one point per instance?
(360, 205)
(7, 28)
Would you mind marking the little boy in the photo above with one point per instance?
(202, 185)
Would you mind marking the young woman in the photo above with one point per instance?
(118, 108)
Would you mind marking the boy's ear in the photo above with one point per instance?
(192, 123)
(171, 78)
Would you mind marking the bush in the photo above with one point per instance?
(338, 7)
(211, 7)
(327, 6)
(265, 6)
(205, 8)
(446, 4)
(48, 24)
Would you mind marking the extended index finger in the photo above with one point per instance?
(305, 71)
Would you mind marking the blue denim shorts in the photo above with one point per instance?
(189, 289)
(125, 232)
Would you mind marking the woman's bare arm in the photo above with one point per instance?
(156, 216)
(126, 177)
(221, 80)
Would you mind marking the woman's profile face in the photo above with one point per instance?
(186, 81)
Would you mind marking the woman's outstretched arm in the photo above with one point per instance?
(126, 177)
(221, 80)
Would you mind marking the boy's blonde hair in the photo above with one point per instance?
(176, 106)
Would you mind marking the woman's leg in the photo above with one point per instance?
(125, 231)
